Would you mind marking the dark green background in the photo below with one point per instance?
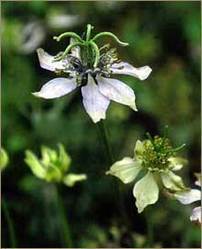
(163, 35)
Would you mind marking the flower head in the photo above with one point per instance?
(83, 64)
(53, 166)
(193, 195)
(155, 159)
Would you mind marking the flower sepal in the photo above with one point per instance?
(53, 166)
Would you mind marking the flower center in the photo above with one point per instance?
(156, 153)
(82, 67)
(91, 59)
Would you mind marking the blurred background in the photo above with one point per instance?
(163, 35)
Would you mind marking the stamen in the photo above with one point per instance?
(149, 137)
(106, 46)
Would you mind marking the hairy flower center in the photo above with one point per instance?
(156, 154)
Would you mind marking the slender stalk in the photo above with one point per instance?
(104, 136)
(149, 229)
(116, 184)
(64, 230)
(9, 224)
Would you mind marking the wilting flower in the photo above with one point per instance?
(53, 166)
(84, 64)
(3, 159)
(155, 159)
(193, 195)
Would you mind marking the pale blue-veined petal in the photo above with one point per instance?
(187, 197)
(146, 192)
(125, 68)
(117, 91)
(196, 214)
(126, 169)
(47, 61)
(56, 88)
(94, 102)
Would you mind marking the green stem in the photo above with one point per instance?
(149, 229)
(116, 185)
(9, 224)
(104, 135)
(64, 229)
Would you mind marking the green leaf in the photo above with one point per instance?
(35, 165)
(71, 179)
(126, 169)
(172, 181)
(146, 192)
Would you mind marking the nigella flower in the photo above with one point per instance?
(85, 65)
(193, 195)
(152, 166)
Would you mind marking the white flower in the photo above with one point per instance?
(191, 196)
(152, 161)
(99, 88)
